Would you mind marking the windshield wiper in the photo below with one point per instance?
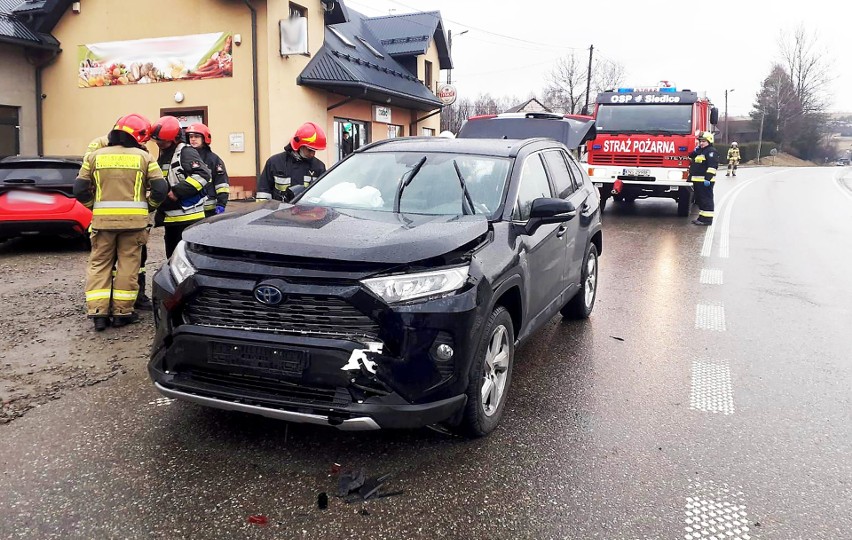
(464, 189)
(414, 170)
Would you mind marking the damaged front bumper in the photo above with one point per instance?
(393, 380)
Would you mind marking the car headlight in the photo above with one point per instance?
(179, 264)
(404, 287)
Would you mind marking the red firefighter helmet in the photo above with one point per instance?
(136, 125)
(199, 129)
(310, 136)
(167, 128)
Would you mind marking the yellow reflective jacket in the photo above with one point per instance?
(113, 182)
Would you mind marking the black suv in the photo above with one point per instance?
(391, 293)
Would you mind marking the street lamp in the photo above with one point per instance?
(450, 51)
(727, 141)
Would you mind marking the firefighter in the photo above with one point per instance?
(733, 158)
(702, 172)
(143, 302)
(187, 176)
(217, 189)
(297, 164)
(113, 182)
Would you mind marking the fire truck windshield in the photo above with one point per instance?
(651, 119)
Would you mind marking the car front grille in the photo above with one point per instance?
(635, 160)
(298, 314)
(264, 389)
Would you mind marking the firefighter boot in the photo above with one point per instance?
(123, 320)
(142, 301)
(101, 323)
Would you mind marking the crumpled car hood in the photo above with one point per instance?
(327, 233)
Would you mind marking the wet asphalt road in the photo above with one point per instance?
(709, 396)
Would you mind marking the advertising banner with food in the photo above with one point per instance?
(143, 61)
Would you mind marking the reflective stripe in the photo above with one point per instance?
(120, 211)
(222, 188)
(98, 294)
(152, 166)
(188, 217)
(282, 181)
(118, 161)
(701, 179)
(137, 188)
(711, 170)
(97, 177)
(121, 204)
(704, 213)
(209, 205)
(86, 165)
(195, 183)
(141, 269)
(262, 196)
(118, 294)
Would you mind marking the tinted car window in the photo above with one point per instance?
(578, 174)
(560, 175)
(534, 185)
(371, 181)
(39, 174)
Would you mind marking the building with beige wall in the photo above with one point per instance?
(335, 67)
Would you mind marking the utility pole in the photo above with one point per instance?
(760, 134)
(588, 81)
(727, 140)
(450, 50)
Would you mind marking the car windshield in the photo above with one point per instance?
(373, 180)
(38, 174)
(676, 119)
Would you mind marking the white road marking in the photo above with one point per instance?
(711, 389)
(847, 191)
(710, 317)
(711, 276)
(160, 402)
(715, 512)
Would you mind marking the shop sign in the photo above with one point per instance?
(143, 61)
(447, 94)
(381, 114)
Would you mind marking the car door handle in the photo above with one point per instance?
(560, 232)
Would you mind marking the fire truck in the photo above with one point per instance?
(644, 137)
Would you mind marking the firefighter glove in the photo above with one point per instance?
(220, 209)
(707, 183)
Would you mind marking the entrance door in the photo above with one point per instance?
(357, 134)
(10, 142)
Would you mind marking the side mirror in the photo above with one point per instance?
(546, 210)
(294, 191)
(714, 116)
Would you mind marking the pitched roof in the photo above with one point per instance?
(14, 30)
(530, 105)
(409, 34)
(353, 69)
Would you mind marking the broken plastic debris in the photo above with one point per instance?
(618, 338)
(350, 481)
(322, 501)
(258, 519)
(335, 468)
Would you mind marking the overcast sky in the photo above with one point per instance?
(709, 46)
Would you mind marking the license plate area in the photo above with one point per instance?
(636, 172)
(270, 359)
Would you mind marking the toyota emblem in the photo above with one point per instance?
(269, 295)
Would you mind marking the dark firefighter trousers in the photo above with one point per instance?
(704, 200)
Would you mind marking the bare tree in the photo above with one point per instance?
(778, 108)
(809, 67)
(566, 88)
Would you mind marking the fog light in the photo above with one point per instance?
(444, 352)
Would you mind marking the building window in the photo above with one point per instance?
(394, 131)
(427, 132)
(341, 37)
(372, 49)
(427, 77)
(294, 32)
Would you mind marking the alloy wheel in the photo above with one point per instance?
(591, 282)
(496, 370)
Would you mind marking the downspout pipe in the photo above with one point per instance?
(255, 89)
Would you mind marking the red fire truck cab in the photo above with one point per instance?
(644, 136)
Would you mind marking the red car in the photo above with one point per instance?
(36, 197)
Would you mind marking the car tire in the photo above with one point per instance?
(684, 201)
(582, 304)
(491, 372)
